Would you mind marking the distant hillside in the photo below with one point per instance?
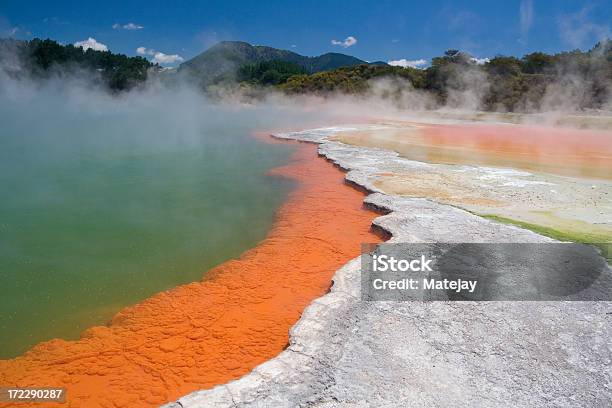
(351, 80)
(267, 73)
(222, 61)
(574, 80)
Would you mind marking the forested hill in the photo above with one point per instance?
(222, 61)
(44, 58)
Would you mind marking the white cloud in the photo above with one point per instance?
(348, 42)
(578, 30)
(91, 43)
(160, 57)
(480, 61)
(128, 26)
(132, 26)
(526, 16)
(408, 63)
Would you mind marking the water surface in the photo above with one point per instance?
(105, 203)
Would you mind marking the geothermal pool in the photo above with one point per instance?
(102, 210)
(209, 332)
(562, 151)
(556, 181)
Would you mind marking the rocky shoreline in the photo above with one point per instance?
(347, 352)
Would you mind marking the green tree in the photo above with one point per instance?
(273, 72)
(118, 71)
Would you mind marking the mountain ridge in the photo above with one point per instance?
(222, 60)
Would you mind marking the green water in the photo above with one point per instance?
(104, 206)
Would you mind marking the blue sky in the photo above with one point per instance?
(376, 30)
